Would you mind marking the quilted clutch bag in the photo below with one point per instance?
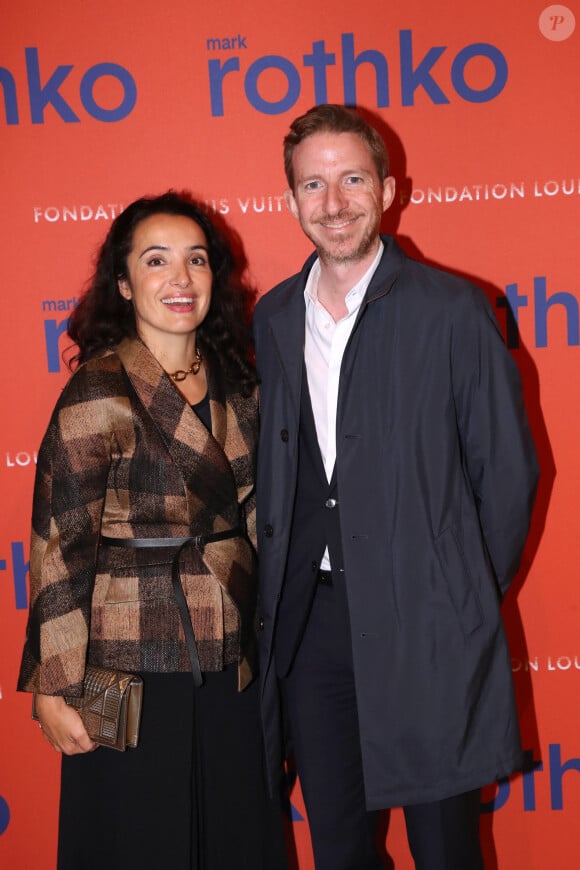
(110, 707)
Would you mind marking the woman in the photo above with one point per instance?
(154, 438)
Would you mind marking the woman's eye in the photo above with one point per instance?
(155, 261)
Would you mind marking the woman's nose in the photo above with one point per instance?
(181, 276)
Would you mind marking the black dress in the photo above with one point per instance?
(191, 796)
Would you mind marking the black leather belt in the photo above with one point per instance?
(194, 540)
(324, 577)
(180, 543)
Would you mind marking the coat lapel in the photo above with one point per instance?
(287, 325)
(199, 455)
(381, 284)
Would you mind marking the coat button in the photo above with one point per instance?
(330, 503)
(284, 435)
(261, 624)
(268, 530)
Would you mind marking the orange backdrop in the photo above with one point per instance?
(103, 102)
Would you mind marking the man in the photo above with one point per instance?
(396, 477)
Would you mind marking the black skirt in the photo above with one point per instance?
(191, 796)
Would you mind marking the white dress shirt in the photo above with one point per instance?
(324, 345)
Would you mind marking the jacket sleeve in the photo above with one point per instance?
(70, 487)
(498, 450)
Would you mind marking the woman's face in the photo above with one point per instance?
(169, 278)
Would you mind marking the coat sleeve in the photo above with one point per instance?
(498, 450)
(69, 493)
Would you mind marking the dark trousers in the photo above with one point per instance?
(319, 696)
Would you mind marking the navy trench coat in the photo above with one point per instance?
(436, 474)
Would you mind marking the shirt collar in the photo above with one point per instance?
(355, 295)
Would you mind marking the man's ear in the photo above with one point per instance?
(291, 203)
(389, 186)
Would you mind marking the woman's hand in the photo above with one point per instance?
(62, 726)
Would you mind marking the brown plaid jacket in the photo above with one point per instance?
(124, 456)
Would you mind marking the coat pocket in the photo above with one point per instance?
(121, 590)
(144, 582)
(460, 584)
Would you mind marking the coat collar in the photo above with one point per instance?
(387, 271)
(287, 324)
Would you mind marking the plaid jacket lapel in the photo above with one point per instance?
(204, 459)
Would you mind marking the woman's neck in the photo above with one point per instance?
(180, 357)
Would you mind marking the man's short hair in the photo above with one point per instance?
(334, 118)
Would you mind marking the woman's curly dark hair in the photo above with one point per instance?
(103, 318)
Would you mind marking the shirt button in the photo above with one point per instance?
(330, 503)
(284, 435)
(268, 530)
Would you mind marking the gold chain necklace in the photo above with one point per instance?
(181, 374)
